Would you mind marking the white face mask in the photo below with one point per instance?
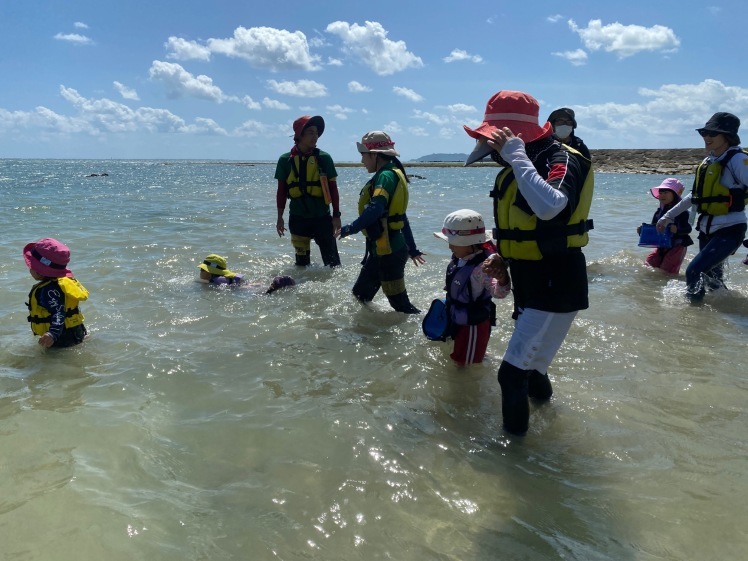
(563, 131)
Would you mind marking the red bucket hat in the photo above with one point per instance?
(516, 110)
(306, 121)
(48, 257)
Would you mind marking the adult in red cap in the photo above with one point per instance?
(719, 196)
(542, 197)
(306, 175)
(53, 300)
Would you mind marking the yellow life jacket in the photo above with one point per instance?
(310, 184)
(521, 235)
(710, 196)
(394, 218)
(39, 316)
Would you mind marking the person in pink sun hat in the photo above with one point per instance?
(53, 301)
(669, 258)
(541, 197)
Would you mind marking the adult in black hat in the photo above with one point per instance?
(564, 124)
(719, 195)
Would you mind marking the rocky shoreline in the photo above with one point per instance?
(666, 161)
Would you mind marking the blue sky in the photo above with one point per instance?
(226, 78)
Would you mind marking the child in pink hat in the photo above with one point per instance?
(669, 258)
(53, 301)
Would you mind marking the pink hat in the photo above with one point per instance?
(670, 184)
(48, 257)
(516, 110)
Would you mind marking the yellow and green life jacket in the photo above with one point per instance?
(39, 316)
(521, 235)
(306, 182)
(710, 196)
(394, 218)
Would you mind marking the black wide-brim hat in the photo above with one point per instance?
(562, 112)
(725, 123)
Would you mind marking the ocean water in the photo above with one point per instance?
(208, 424)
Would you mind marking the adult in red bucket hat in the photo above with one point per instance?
(306, 175)
(53, 301)
(542, 198)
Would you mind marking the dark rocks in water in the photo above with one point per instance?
(660, 161)
(98, 175)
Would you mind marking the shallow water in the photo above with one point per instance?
(211, 424)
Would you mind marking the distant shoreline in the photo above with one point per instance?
(658, 161)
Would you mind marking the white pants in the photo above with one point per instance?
(537, 338)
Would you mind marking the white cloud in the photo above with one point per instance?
(300, 88)
(125, 92)
(180, 83)
(666, 115)
(554, 18)
(461, 108)
(625, 40)
(392, 127)
(253, 128)
(357, 87)
(74, 38)
(267, 47)
(407, 93)
(418, 131)
(205, 126)
(334, 62)
(715, 10)
(577, 57)
(250, 103)
(181, 49)
(275, 104)
(446, 133)
(339, 112)
(459, 54)
(431, 117)
(80, 25)
(369, 44)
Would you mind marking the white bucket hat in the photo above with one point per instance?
(377, 142)
(462, 228)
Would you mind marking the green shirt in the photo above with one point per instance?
(307, 206)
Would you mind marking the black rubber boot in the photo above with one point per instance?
(401, 303)
(539, 386)
(515, 408)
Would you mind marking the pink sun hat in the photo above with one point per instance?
(516, 110)
(670, 184)
(48, 257)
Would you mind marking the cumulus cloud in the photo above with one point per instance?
(625, 40)
(459, 54)
(666, 114)
(357, 87)
(205, 126)
(300, 88)
(430, 117)
(334, 62)
(554, 18)
(181, 49)
(267, 47)
(252, 129)
(392, 127)
(407, 93)
(275, 104)
(339, 112)
(180, 83)
(125, 92)
(74, 38)
(461, 108)
(577, 57)
(369, 43)
(418, 131)
(250, 103)
(80, 25)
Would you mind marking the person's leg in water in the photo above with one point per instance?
(325, 240)
(367, 284)
(709, 262)
(536, 339)
(301, 239)
(392, 276)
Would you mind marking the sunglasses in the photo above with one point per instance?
(710, 134)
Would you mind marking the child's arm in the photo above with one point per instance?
(53, 300)
(496, 280)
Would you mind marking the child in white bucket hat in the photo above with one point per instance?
(469, 288)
